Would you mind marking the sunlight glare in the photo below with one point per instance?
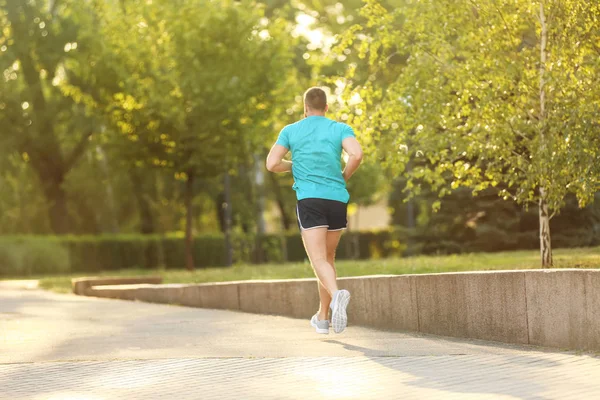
(343, 381)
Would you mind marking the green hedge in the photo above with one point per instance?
(21, 256)
(90, 254)
(31, 255)
(28, 255)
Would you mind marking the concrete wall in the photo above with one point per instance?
(82, 285)
(563, 309)
(555, 308)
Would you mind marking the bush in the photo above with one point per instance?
(24, 257)
(573, 238)
(109, 253)
(489, 238)
(527, 240)
(10, 259)
(442, 247)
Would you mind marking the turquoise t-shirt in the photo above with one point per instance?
(316, 146)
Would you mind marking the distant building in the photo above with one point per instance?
(376, 216)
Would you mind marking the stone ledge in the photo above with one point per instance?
(553, 308)
(82, 285)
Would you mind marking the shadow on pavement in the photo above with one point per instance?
(495, 374)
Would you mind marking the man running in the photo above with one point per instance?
(316, 143)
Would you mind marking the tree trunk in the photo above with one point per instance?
(189, 239)
(146, 218)
(543, 59)
(545, 242)
(410, 205)
(356, 237)
(110, 198)
(51, 173)
(219, 200)
(154, 256)
(285, 218)
(51, 178)
(259, 180)
(58, 212)
(227, 215)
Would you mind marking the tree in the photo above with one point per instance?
(41, 114)
(484, 94)
(117, 78)
(197, 82)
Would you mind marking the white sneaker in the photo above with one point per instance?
(320, 326)
(339, 317)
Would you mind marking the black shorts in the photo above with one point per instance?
(321, 213)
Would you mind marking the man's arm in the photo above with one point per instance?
(275, 161)
(355, 155)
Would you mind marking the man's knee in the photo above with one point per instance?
(320, 260)
(323, 261)
(331, 255)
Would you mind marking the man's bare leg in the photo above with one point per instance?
(315, 242)
(333, 239)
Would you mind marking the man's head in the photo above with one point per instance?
(315, 102)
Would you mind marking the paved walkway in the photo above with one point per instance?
(68, 347)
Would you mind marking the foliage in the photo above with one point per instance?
(185, 81)
(129, 88)
(367, 184)
(470, 94)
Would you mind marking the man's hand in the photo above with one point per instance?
(346, 178)
(275, 161)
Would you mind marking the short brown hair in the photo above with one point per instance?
(315, 99)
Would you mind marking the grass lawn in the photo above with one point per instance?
(563, 258)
